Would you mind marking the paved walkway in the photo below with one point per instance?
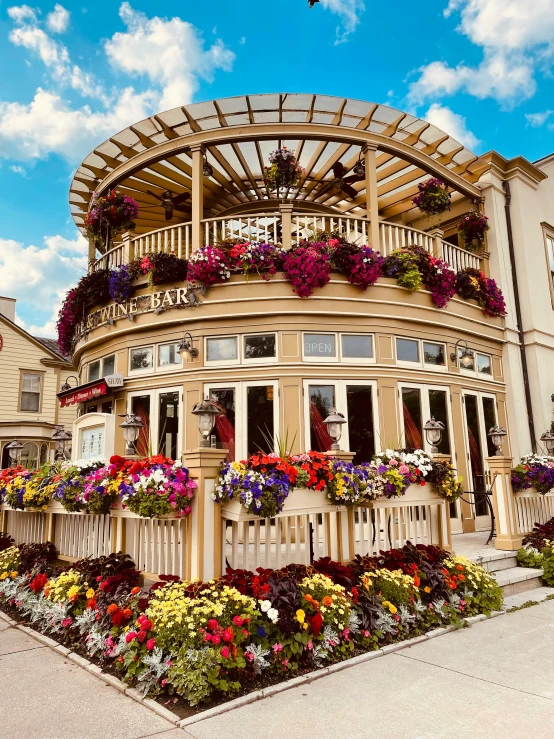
(494, 680)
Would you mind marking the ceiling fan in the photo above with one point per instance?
(345, 183)
(169, 202)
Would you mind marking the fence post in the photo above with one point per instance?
(342, 538)
(286, 225)
(128, 248)
(445, 532)
(204, 555)
(437, 235)
(507, 536)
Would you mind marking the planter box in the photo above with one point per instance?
(119, 512)
(415, 495)
(300, 502)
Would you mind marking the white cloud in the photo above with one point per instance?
(538, 119)
(169, 52)
(53, 54)
(49, 125)
(452, 123)
(58, 19)
(349, 12)
(516, 39)
(18, 169)
(39, 276)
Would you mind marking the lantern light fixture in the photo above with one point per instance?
(334, 423)
(186, 347)
(466, 356)
(548, 440)
(14, 450)
(497, 434)
(131, 429)
(61, 436)
(359, 168)
(207, 169)
(66, 386)
(433, 433)
(206, 411)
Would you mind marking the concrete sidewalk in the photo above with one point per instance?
(494, 680)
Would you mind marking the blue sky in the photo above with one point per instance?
(76, 72)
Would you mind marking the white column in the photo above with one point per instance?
(197, 152)
(372, 203)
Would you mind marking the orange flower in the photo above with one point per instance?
(134, 591)
(417, 581)
(112, 608)
(91, 603)
(461, 578)
(427, 589)
(459, 567)
(327, 601)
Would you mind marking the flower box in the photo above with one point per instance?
(302, 501)
(415, 495)
(117, 511)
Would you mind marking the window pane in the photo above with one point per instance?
(407, 350)
(92, 442)
(94, 370)
(259, 347)
(220, 350)
(467, 362)
(433, 353)
(140, 406)
(44, 454)
(30, 401)
(225, 423)
(168, 355)
(411, 409)
(259, 419)
(439, 410)
(357, 346)
(484, 364)
(142, 358)
(550, 243)
(320, 345)
(107, 407)
(29, 456)
(489, 414)
(30, 383)
(359, 403)
(322, 399)
(109, 365)
(169, 424)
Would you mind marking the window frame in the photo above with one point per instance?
(258, 360)
(341, 402)
(222, 362)
(434, 367)
(320, 360)
(548, 234)
(38, 374)
(357, 360)
(465, 372)
(403, 362)
(168, 367)
(424, 388)
(90, 364)
(114, 355)
(154, 395)
(146, 370)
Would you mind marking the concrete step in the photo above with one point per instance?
(516, 580)
(538, 596)
(505, 563)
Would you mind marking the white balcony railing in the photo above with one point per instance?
(267, 228)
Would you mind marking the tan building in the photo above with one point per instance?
(386, 358)
(32, 371)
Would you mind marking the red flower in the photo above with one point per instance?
(316, 622)
(150, 644)
(228, 634)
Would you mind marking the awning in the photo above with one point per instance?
(89, 391)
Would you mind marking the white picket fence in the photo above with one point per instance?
(24, 526)
(533, 507)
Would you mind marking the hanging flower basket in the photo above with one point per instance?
(472, 228)
(284, 170)
(433, 198)
(109, 215)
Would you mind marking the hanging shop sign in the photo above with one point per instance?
(157, 302)
(86, 392)
(115, 380)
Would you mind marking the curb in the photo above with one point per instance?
(244, 700)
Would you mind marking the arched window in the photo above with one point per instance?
(29, 455)
(43, 454)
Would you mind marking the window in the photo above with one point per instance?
(320, 346)
(357, 401)
(354, 346)
(160, 413)
(419, 404)
(467, 367)
(29, 457)
(108, 365)
(262, 346)
(142, 359)
(168, 356)
(94, 371)
(484, 364)
(30, 392)
(434, 354)
(407, 350)
(550, 258)
(222, 349)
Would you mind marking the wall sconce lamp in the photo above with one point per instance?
(433, 433)
(466, 357)
(548, 439)
(497, 434)
(66, 386)
(185, 347)
(14, 450)
(131, 429)
(207, 169)
(334, 423)
(206, 412)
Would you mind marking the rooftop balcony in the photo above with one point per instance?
(287, 228)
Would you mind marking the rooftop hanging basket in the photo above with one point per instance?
(109, 215)
(283, 172)
(472, 229)
(433, 198)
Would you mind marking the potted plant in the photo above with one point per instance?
(109, 215)
(472, 229)
(283, 172)
(433, 197)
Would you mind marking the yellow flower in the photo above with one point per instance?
(427, 589)
(3, 576)
(300, 616)
(90, 593)
(305, 626)
(392, 608)
(14, 574)
(73, 591)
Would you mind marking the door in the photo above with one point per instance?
(357, 401)
(161, 416)
(479, 416)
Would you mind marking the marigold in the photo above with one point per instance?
(90, 593)
(112, 608)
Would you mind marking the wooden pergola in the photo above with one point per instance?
(235, 137)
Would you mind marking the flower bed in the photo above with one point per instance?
(538, 550)
(262, 483)
(204, 642)
(150, 488)
(534, 471)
